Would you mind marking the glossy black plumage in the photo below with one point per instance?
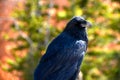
(64, 54)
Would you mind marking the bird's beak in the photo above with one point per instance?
(89, 24)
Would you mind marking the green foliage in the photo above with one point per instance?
(100, 63)
(31, 26)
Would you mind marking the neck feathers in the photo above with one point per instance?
(77, 33)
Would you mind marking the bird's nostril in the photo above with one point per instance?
(89, 24)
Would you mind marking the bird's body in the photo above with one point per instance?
(64, 55)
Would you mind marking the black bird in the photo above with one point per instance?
(65, 53)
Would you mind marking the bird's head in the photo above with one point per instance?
(82, 22)
(79, 22)
(76, 27)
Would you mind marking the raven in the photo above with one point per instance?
(65, 53)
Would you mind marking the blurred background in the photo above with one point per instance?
(28, 26)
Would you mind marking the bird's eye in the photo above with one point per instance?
(84, 22)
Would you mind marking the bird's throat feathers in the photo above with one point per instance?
(77, 33)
